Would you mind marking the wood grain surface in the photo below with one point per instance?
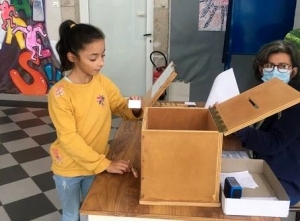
(118, 195)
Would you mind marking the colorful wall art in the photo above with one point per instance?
(28, 64)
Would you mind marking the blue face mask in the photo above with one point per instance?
(285, 77)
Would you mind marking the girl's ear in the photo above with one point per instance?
(71, 57)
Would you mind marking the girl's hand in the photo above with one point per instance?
(134, 97)
(119, 166)
(136, 111)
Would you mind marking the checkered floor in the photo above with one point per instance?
(27, 190)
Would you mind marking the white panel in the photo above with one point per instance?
(124, 23)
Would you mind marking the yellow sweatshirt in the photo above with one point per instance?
(81, 114)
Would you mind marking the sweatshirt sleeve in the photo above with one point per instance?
(118, 103)
(70, 141)
(277, 137)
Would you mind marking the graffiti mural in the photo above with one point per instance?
(28, 64)
(212, 15)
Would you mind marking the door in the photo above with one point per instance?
(128, 26)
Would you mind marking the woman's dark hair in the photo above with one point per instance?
(73, 38)
(278, 46)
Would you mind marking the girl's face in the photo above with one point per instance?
(90, 60)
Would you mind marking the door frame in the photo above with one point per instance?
(84, 18)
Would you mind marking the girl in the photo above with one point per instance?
(277, 138)
(81, 107)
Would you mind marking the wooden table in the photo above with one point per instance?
(116, 197)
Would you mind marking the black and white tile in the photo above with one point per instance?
(27, 190)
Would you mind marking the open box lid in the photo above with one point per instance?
(159, 86)
(254, 105)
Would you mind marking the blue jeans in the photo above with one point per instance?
(71, 192)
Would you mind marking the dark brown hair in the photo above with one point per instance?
(73, 38)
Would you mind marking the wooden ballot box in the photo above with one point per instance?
(181, 147)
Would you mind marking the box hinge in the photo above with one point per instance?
(218, 119)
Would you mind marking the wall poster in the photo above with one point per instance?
(212, 15)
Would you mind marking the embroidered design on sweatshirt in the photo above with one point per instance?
(59, 91)
(56, 155)
(101, 100)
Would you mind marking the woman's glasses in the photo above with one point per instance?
(282, 67)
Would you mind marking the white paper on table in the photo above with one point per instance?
(224, 87)
(192, 104)
(244, 178)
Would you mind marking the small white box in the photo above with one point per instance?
(259, 201)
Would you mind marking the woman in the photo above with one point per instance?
(277, 138)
